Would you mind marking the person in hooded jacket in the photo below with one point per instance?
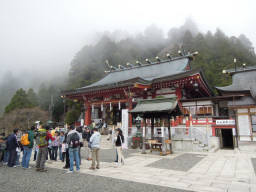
(86, 137)
(27, 149)
(95, 146)
(73, 141)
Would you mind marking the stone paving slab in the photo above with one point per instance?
(109, 155)
(18, 179)
(182, 162)
(219, 172)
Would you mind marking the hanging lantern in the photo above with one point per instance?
(101, 107)
(110, 106)
(119, 105)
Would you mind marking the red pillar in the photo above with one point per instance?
(130, 108)
(88, 115)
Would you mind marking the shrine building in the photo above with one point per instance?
(122, 88)
(242, 102)
(177, 108)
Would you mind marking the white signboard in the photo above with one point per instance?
(243, 124)
(125, 122)
(225, 122)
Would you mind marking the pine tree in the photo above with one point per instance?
(19, 101)
(32, 97)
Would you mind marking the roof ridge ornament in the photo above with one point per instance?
(138, 63)
(168, 55)
(121, 67)
(158, 59)
(130, 65)
(149, 62)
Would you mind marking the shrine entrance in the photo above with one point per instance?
(227, 139)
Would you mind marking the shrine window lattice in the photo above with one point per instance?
(198, 110)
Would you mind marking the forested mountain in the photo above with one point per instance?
(89, 63)
(216, 52)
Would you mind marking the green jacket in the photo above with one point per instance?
(31, 138)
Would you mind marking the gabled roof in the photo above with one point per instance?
(156, 105)
(242, 81)
(144, 74)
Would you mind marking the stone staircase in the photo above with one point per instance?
(193, 141)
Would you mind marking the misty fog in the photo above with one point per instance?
(39, 39)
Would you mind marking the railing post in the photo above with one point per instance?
(187, 126)
(180, 119)
(172, 122)
(207, 127)
(163, 139)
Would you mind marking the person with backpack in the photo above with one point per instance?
(95, 146)
(86, 137)
(12, 145)
(119, 141)
(42, 139)
(27, 141)
(73, 140)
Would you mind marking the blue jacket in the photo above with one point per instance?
(12, 142)
(95, 140)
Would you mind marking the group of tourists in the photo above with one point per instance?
(48, 144)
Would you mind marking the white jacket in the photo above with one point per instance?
(95, 140)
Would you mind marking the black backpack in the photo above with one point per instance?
(74, 140)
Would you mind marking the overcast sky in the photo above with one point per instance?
(40, 34)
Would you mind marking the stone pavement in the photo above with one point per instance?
(20, 180)
(222, 171)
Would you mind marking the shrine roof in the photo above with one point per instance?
(144, 74)
(242, 81)
(156, 105)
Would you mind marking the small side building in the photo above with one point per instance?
(242, 102)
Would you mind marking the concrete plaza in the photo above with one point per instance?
(222, 171)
